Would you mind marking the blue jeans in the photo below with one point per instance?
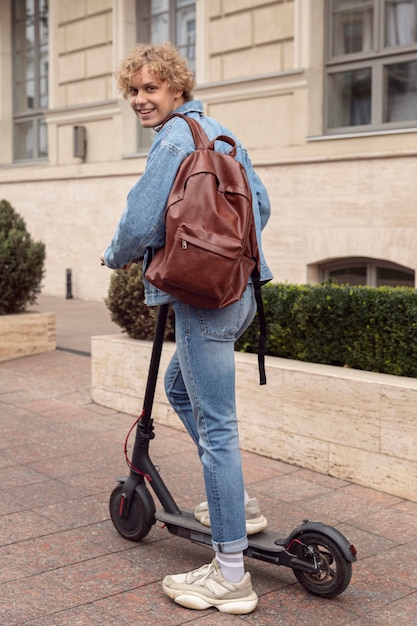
(200, 386)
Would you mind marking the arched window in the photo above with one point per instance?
(364, 271)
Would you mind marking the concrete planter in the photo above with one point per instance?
(24, 334)
(354, 425)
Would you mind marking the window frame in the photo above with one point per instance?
(377, 59)
(34, 117)
(144, 15)
(372, 266)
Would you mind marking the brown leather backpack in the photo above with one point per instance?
(211, 247)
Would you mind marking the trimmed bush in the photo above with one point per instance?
(366, 328)
(125, 302)
(21, 262)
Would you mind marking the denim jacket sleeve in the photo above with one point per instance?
(142, 224)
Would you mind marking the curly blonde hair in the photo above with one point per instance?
(164, 61)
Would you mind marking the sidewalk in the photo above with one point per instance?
(62, 563)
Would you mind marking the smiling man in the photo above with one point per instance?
(200, 379)
(152, 99)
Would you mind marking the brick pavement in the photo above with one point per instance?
(63, 563)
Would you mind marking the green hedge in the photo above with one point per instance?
(367, 328)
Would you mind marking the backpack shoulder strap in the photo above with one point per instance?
(262, 325)
(201, 140)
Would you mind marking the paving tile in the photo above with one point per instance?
(400, 612)
(371, 589)
(214, 618)
(97, 481)
(372, 496)
(78, 462)
(397, 565)
(366, 543)
(389, 522)
(76, 513)
(34, 597)
(257, 469)
(49, 552)
(291, 488)
(15, 476)
(10, 381)
(407, 507)
(6, 459)
(341, 505)
(149, 606)
(64, 564)
(294, 607)
(322, 479)
(33, 495)
(24, 525)
(11, 569)
(102, 577)
(67, 587)
(89, 614)
(11, 416)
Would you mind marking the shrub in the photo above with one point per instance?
(367, 328)
(125, 302)
(21, 262)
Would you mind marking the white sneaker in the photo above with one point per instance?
(255, 521)
(205, 587)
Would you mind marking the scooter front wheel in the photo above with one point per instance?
(135, 526)
(333, 570)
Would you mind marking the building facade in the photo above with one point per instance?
(323, 93)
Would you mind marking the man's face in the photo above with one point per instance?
(151, 99)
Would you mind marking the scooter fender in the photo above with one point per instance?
(347, 549)
(146, 499)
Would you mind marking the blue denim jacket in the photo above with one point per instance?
(142, 225)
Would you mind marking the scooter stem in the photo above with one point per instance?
(141, 465)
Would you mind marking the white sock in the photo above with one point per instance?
(231, 566)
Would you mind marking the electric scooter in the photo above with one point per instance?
(319, 555)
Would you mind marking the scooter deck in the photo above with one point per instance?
(185, 525)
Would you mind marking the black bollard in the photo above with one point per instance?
(69, 284)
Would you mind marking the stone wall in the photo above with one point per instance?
(354, 425)
(24, 334)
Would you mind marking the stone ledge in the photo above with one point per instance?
(354, 425)
(23, 334)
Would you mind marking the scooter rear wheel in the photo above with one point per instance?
(135, 526)
(334, 572)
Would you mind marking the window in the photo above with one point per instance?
(30, 79)
(371, 68)
(375, 273)
(167, 20)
